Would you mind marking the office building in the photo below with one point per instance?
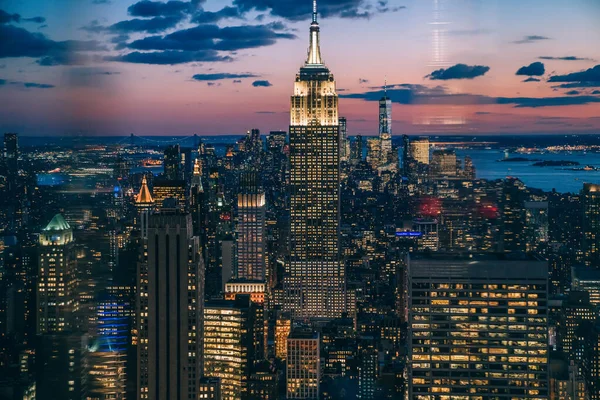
(209, 389)
(229, 344)
(478, 327)
(590, 197)
(173, 163)
(418, 150)
(588, 280)
(251, 229)
(170, 189)
(575, 310)
(316, 280)
(283, 327)
(356, 150)
(443, 164)
(303, 366)
(368, 367)
(107, 376)
(170, 309)
(374, 152)
(344, 141)
(589, 344)
(536, 225)
(61, 366)
(57, 280)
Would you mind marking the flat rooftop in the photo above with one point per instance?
(477, 266)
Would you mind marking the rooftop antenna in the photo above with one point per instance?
(314, 19)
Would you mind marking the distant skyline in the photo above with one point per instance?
(212, 67)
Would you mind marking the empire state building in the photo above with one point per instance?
(315, 281)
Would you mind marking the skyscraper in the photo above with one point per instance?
(170, 309)
(315, 281)
(172, 163)
(11, 153)
(229, 343)
(385, 128)
(251, 229)
(344, 141)
(591, 224)
(303, 365)
(56, 302)
(478, 327)
(419, 150)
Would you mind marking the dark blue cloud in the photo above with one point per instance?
(210, 17)
(419, 94)
(591, 75)
(577, 85)
(572, 92)
(101, 2)
(146, 8)
(261, 84)
(532, 79)
(533, 69)
(531, 39)
(213, 37)
(27, 85)
(522, 102)
(153, 25)
(296, 10)
(22, 43)
(169, 57)
(221, 76)
(459, 71)
(6, 18)
(596, 92)
(566, 58)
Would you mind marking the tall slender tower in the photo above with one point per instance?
(385, 127)
(170, 309)
(316, 281)
(251, 229)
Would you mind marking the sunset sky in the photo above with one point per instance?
(115, 67)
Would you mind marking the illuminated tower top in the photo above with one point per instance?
(315, 100)
(144, 196)
(314, 50)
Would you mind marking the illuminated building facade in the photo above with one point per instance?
(478, 328)
(344, 141)
(107, 370)
(418, 150)
(367, 367)
(374, 152)
(170, 307)
(256, 289)
(283, 327)
(56, 297)
(316, 280)
(303, 366)
(591, 224)
(251, 228)
(385, 129)
(443, 164)
(588, 280)
(228, 344)
(165, 189)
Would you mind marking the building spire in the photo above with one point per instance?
(385, 87)
(314, 51)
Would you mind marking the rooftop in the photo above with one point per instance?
(58, 223)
